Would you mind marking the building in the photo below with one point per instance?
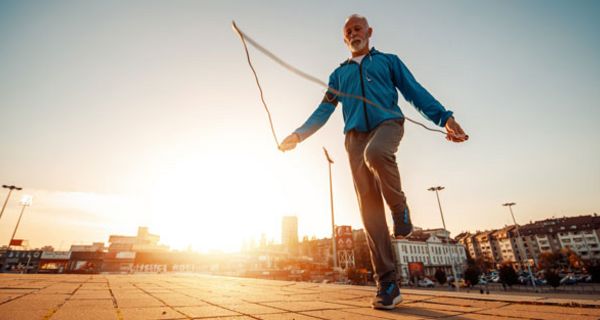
(289, 234)
(94, 247)
(344, 245)
(21, 261)
(431, 248)
(144, 241)
(507, 246)
(54, 261)
(580, 234)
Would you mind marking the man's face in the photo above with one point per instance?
(356, 34)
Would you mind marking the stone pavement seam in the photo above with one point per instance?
(470, 312)
(161, 300)
(541, 301)
(205, 301)
(114, 300)
(24, 295)
(52, 311)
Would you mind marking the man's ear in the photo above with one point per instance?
(370, 32)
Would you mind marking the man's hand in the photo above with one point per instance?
(289, 142)
(455, 132)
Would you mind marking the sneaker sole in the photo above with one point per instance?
(392, 306)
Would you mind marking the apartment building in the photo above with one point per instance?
(431, 249)
(580, 234)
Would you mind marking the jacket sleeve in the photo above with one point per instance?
(320, 116)
(418, 96)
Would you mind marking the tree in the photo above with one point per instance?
(472, 275)
(549, 260)
(508, 275)
(570, 258)
(440, 276)
(484, 263)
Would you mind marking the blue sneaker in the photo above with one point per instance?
(388, 296)
(402, 225)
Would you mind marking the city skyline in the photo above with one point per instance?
(115, 115)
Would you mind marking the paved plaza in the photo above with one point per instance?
(191, 296)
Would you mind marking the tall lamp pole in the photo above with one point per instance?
(436, 189)
(509, 205)
(25, 202)
(330, 162)
(10, 190)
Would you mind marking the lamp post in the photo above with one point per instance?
(436, 189)
(10, 190)
(25, 202)
(330, 162)
(509, 205)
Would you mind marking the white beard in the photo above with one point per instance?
(357, 45)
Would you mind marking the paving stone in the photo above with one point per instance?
(304, 305)
(183, 296)
(534, 314)
(179, 300)
(251, 308)
(338, 315)
(230, 318)
(419, 310)
(33, 302)
(138, 302)
(383, 314)
(89, 304)
(87, 314)
(206, 311)
(23, 314)
(555, 309)
(9, 296)
(285, 316)
(574, 301)
(474, 316)
(468, 302)
(92, 294)
(442, 307)
(154, 313)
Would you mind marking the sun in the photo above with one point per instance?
(217, 202)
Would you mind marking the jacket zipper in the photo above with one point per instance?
(362, 87)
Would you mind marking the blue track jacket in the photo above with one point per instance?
(376, 79)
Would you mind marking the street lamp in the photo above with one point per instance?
(436, 189)
(25, 202)
(509, 205)
(330, 162)
(10, 189)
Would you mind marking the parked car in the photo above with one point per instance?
(568, 280)
(425, 283)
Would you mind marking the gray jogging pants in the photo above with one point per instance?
(376, 177)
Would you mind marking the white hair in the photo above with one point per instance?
(357, 16)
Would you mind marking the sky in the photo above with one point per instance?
(119, 114)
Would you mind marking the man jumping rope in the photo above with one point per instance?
(372, 139)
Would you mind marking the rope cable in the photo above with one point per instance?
(244, 37)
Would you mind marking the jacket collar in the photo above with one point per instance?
(372, 52)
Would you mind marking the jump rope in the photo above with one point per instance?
(245, 38)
